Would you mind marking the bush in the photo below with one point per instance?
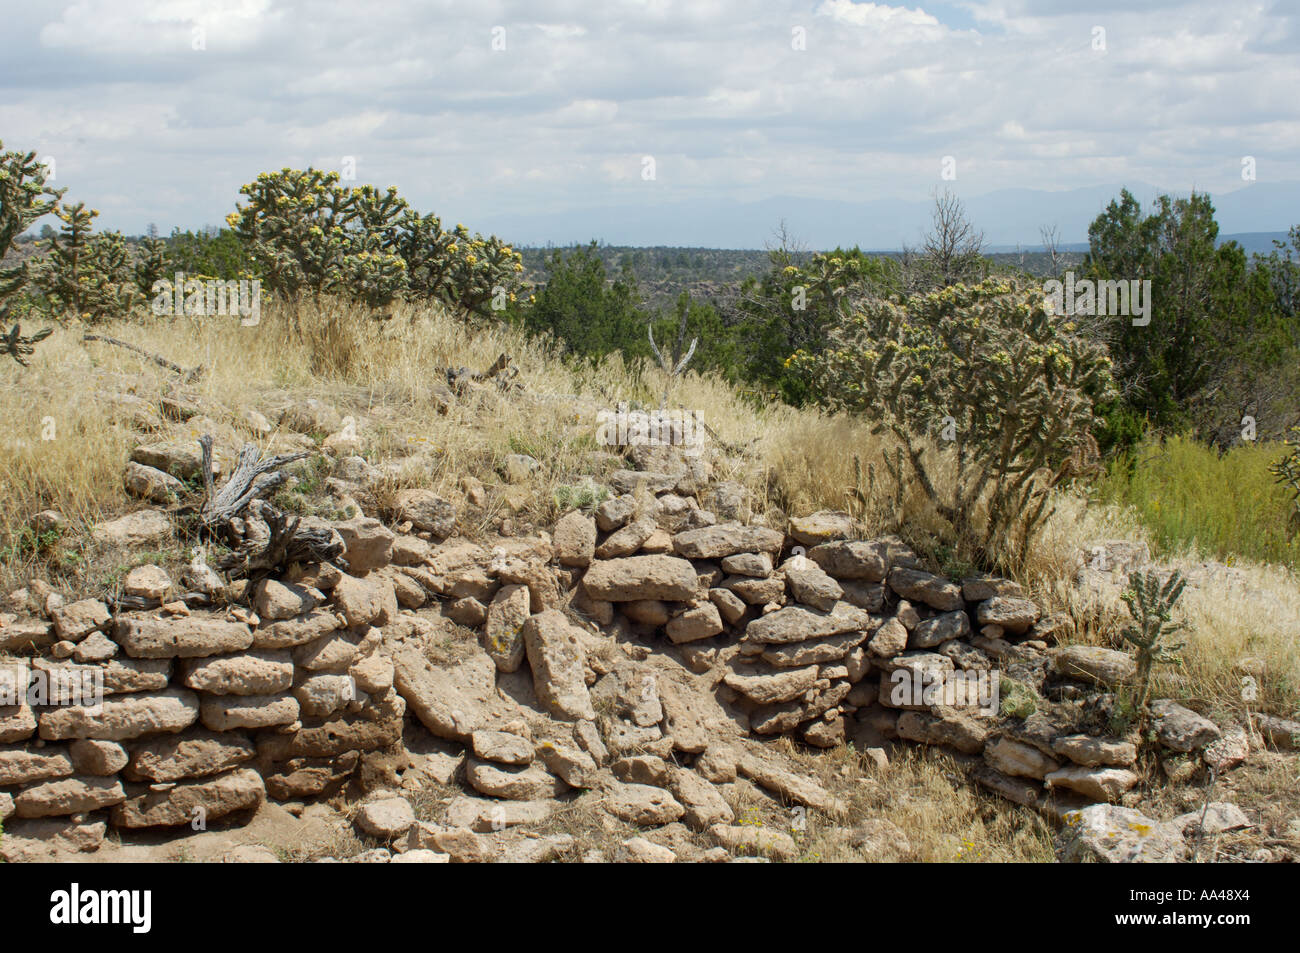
(307, 233)
(1008, 390)
(85, 275)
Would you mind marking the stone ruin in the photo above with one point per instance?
(648, 651)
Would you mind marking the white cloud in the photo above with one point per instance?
(714, 89)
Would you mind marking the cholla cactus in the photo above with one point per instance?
(1150, 602)
(85, 275)
(1009, 390)
(310, 234)
(14, 344)
(24, 198)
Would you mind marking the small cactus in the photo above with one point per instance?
(1150, 602)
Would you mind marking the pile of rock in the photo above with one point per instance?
(643, 651)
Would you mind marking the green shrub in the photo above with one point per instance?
(24, 198)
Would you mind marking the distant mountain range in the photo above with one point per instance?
(1010, 219)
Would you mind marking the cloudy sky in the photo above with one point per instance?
(490, 110)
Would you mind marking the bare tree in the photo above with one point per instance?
(1052, 246)
(954, 247)
(785, 248)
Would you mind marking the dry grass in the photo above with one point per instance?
(387, 375)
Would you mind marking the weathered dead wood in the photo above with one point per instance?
(459, 378)
(188, 376)
(289, 542)
(254, 475)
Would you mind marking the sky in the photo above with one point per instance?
(553, 115)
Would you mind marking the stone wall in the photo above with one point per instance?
(642, 649)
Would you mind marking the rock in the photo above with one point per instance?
(641, 577)
(480, 815)
(700, 621)
(367, 544)
(471, 613)
(880, 840)
(1092, 752)
(1181, 729)
(758, 565)
(813, 587)
(1282, 732)
(96, 647)
(944, 726)
(364, 601)
(772, 687)
(1100, 784)
(25, 767)
(797, 623)
(152, 484)
(143, 636)
(503, 637)
(638, 850)
(575, 539)
(789, 786)
(1014, 615)
(557, 660)
(118, 719)
(135, 529)
(704, 806)
(931, 633)
(822, 527)
(274, 601)
(1229, 751)
(852, 559)
(64, 796)
(452, 701)
(324, 694)
(757, 591)
(643, 805)
(75, 621)
(982, 587)
(642, 769)
(229, 712)
(759, 841)
(250, 854)
(98, 758)
(825, 732)
(574, 767)
(1216, 817)
(730, 606)
(527, 784)
(289, 633)
(426, 511)
(385, 818)
(627, 539)
(1018, 759)
(248, 673)
(191, 755)
(934, 591)
(890, 639)
(311, 416)
(238, 790)
(147, 582)
(501, 747)
(1109, 834)
(118, 675)
(615, 512)
(714, 542)
(1108, 667)
(180, 458)
(18, 634)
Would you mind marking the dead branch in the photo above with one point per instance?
(187, 376)
(254, 475)
(289, 542)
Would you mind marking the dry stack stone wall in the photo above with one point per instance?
(644, 649)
